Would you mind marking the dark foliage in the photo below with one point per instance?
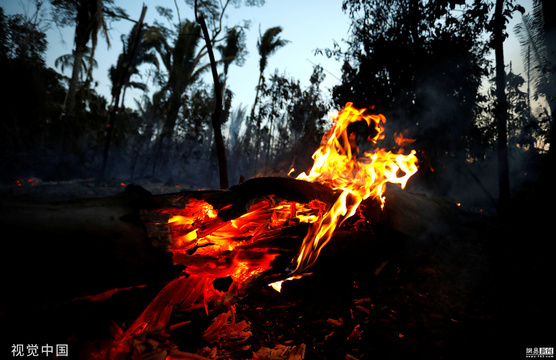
(422, 64)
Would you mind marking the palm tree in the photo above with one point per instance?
(181, 63)
(67, 61)
(135, 52)
(267, 45)
(543, 12)
(89, 19)
(232, 51)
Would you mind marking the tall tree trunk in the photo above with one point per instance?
(67, 115)
(167, 131)
(501, 108)
(123, 97)
(256, 147)
(109, 133)
(219, 140)
(256, 97)
(69, 103)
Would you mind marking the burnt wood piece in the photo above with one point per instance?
(241, 196)
(230, 203)
(77, 247)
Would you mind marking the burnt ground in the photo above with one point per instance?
(430, 301)
(480, 288)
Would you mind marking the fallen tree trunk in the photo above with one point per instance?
(77, 247)
(67, 249)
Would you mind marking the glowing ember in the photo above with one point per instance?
(242, 249)
(277, 285)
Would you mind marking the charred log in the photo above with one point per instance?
(90, 245)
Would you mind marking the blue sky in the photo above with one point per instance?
(307, 24)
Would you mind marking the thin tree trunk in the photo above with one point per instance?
(501, 109)
(122, 106)
(167, 132)
(74, 81)
(258, 124)
(109, 132)
(219, 140)
(256, 97)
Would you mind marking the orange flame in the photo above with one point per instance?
(358, 178)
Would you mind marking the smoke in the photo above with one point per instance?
(459, 160)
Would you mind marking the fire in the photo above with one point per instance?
(242, 249)
(337, 164)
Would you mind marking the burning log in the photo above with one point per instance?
(115, 241)
(232, 203)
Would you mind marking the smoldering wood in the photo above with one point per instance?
(65, 249)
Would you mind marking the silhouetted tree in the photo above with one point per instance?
(549, 27)
(217, 114)
(531, 35)
(134, 54)
(293, 119)
(234, 50)
(181, 62)
(502, 11)
(268, 44)
(501, 112)
(89, 18)
(32, 100)
(421, 64)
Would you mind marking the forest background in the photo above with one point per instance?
(436, 69)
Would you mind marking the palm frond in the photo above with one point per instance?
(67, 60)
(530, 33)
(269, 43)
